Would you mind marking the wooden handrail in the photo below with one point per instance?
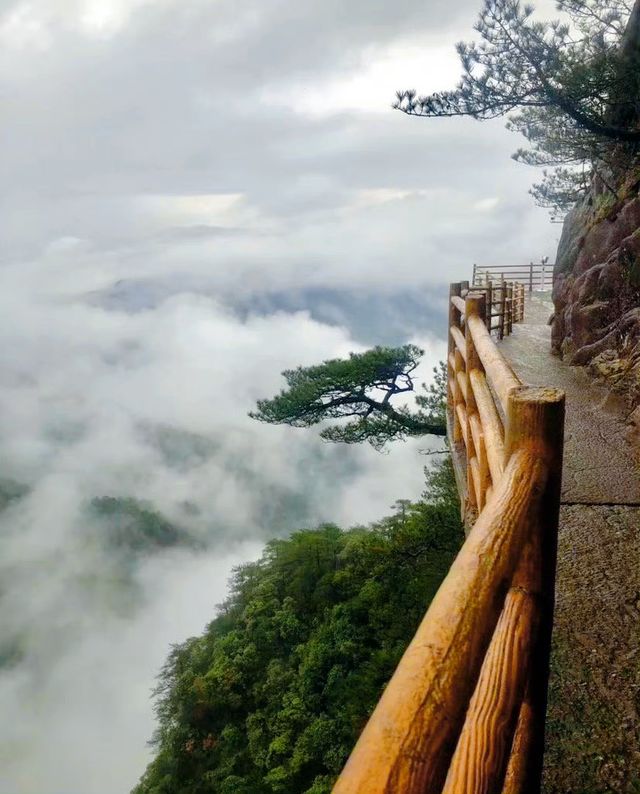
(462, 385)
(464, 710)
(491, 424)
(408, 742)
(532, 275)
(484, 742)
(458, 338)
(499, 373)
(504, 302)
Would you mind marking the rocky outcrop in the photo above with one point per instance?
(597, 289)
(597, 273)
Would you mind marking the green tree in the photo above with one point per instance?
(271, 697)
(572, 87)
(360, 389)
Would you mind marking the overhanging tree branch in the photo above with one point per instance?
(350, 389)
(576, 87)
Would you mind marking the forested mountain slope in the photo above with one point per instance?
(273, 695)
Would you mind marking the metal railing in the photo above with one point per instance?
(464, 711)
(536, 277)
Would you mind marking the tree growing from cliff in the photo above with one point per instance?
(360, 390)
(572, 87)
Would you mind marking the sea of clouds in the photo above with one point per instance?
(196, 196)
(84, 393)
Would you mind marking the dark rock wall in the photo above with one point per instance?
(597, 290)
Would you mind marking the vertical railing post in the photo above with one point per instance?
(453, 397)
(503, 303)
(489, 304)
(474, 274)
(510, 308)
(530, 276)
(476, 455)
(535, 420)
(465, 708)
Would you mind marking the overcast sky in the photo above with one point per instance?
(251, 145)
(196, 195)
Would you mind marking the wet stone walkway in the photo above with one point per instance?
(593, 726)
(599, 465)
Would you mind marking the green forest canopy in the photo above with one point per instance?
(272, 697)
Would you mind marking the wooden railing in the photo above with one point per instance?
(476, 428)
(536, 277)
(464, 711)
(504, 302)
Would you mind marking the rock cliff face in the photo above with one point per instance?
(597, 289)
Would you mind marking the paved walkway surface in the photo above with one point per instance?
(599, 464)
(593, 726)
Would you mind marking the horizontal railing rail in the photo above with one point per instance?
(464, 711)
(479, 383)
(504, 303)
(536, 277)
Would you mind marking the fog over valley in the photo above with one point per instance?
(197, 196)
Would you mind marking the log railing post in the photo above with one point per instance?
(501, 742)
(520, 314)
(535, 420)
(408, 742)
(455, 363)
(456, 394)
(481, 756)
(509, 308)
(477, 467)
(465, 708)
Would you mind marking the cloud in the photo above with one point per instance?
(150, 404)
(181, 103)
(196, 196)
(370, 85)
